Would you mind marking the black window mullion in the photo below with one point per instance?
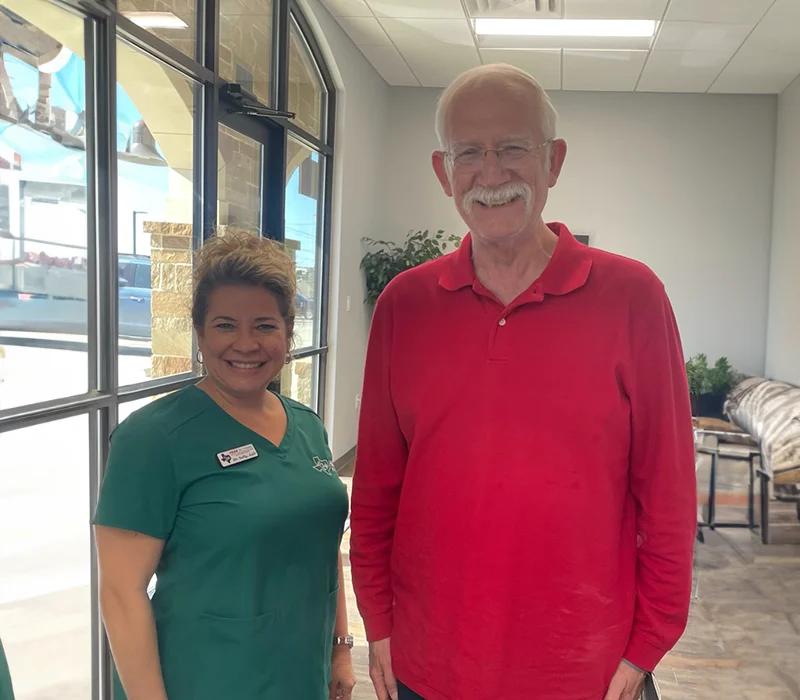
(90, 8)
(311, 140)
(206, 151)
(325, 246)
(282, 53)
(206, 142)
(103, 339)
(274, 189)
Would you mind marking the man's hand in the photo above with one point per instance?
(380, 670)
(343, 680)
(627, 683)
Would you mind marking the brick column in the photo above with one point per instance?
(171, 301)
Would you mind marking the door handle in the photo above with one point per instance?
(138, 299)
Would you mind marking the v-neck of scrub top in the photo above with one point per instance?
(279, 450)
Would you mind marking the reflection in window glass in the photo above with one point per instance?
(245, 51)
(44, 559)
(43, 223)
(307, 96)
(304, 236)
(155, 128)
(300, 381)
(239, 180)
(171, 20)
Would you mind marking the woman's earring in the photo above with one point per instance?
(199, 357)
(288, 359)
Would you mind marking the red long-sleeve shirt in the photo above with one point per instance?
(524, 499)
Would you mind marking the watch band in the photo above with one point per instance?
(343, 641)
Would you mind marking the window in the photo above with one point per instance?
(44, 556)
(307, 94)
(304, 236)
(44, 247)
(300, 381)
(239, 189)
(174, 21)
(108, 183)
(155, 124)
(245, 52)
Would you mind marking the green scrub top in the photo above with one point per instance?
(247, 583)
(6, 690)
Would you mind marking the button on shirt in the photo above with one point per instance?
(509, 461)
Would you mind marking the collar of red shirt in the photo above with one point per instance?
(567, 270)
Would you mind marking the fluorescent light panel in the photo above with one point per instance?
(608, 28)
(156, 20)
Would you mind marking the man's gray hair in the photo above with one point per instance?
(502, 72)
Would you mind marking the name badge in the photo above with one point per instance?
(236, 455)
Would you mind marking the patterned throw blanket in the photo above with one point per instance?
(770, 411)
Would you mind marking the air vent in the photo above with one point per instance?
(539, 9)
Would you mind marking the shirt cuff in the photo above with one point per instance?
(634, 666)
(378, 627)
(642, 654)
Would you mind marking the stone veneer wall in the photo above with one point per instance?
(239, 179)
(171, 300)
(305, 90)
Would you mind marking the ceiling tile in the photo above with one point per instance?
(779, 30)
(365, 31)
(390, 64)
(715, 11)
(545, 65)
(420, 9)
(615, 9)
(602, 70)
(408, 33)
(741, 83)
(756, 71)
(348, 8)
(440, 68)
(701, 36)
(437, 50)
(682, 71)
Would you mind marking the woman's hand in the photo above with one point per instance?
(343, 680)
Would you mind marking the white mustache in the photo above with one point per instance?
(498, 195)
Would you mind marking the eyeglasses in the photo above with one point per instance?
(473, 157)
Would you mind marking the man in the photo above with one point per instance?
(524, 500)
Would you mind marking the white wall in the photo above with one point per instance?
(360, 141)
(680, 182)
(783, 337)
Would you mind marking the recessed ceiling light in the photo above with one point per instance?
(156, 20)
(566, 27)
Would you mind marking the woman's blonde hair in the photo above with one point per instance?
(237, 256)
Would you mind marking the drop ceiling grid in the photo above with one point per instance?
(690, 52)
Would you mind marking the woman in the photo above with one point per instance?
(227, 492)
(6, 691)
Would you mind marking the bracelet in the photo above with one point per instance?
(343, 641)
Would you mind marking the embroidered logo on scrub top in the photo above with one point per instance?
(236, 455)
(324, 465)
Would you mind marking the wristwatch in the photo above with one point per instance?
(343, 641)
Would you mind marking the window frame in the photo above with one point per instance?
(104, 25)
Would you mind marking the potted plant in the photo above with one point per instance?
(390, 259)
(709, 386)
